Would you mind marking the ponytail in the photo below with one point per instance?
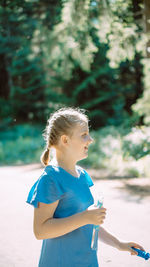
(45, 157)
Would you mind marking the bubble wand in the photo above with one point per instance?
(142, 253)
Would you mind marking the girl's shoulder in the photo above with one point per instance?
(47, 189)
(87, 177)
(52, 169)
(52, 173)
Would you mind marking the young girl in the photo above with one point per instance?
(61, 197)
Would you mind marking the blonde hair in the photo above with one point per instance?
(60, 122)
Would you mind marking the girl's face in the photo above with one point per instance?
(79, 142)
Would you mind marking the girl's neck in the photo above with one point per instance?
(66, 163)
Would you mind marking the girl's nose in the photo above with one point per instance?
(91, 140)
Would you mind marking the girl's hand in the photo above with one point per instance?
(126, 246)
(95, 216)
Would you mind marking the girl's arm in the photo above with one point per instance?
(111, 240)
(108, 238)
(45, 226)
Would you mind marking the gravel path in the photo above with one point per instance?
(128, 217)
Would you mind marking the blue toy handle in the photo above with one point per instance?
(142, 253)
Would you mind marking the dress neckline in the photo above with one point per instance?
(75, 177)
(79, 172)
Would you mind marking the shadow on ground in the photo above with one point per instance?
(132, 188)
(106, 175)
(142, 191)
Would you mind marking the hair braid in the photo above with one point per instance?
(60, 122)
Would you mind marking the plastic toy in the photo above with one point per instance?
(142, 253)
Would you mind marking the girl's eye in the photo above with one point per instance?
(84, 134)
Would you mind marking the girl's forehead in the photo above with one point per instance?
(81, 127)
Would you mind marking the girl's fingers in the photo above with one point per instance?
(133, 252)
(137, 246)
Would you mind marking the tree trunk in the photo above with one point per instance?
(4, 84)
(147, 25)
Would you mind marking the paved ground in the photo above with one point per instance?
(128, 217)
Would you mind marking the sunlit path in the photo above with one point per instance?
(128, 217)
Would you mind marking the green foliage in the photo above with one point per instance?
(116, 26)
(142, 105)
(70, 39)
(118, 150)
(107, 93)
(24, 81)
(121, 151)
(21, 144)
(83, 53)
(137, 143)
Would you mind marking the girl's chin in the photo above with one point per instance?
(86, 153)
(85, 156)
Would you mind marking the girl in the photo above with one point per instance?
(61, 197)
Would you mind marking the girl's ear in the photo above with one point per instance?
(64, 139)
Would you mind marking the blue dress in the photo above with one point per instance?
(72, 249)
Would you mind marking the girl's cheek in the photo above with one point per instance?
(85, 138)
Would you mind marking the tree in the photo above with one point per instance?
(107, 92)
(23, 80)
(142, 106)
(147, 25)
(89, 46)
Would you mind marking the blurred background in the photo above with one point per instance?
(82, 53)
(89, 54)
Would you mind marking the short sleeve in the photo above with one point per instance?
(47, 189)
(88, 179)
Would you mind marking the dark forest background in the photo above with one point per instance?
(89, 54)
